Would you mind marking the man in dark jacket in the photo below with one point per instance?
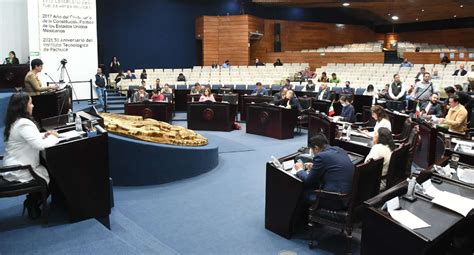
(331, 170)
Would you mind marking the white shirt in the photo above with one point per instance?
(382, 123)
(23, 147)
(380, 151)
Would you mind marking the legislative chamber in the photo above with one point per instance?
(237, 127)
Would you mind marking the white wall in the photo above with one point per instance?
(14, 29)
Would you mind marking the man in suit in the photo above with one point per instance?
(259, 90)
(460, 71)
(100, 83)
(331, 170)
(130, 75)
(278, 97)
(432, 107)
(324, 92)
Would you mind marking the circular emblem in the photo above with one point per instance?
(208, 114)
(263, 117)
(9, 76)
(147, 113)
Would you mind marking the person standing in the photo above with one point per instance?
(114, 65)
(33, 84)
(100, 84)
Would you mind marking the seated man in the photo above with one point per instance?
(130, 75)
(331, 170)
(457, 116)
(166, 89)
(258, 62)
(140, 95)
(406, 63)
(278, 97)
(259, 90)
(310, 86)
(324, 93)
(432, 107)
(307, 74)
(334, 78)
(157, 84)
(460, 71)
(347, 89)
(196, 90)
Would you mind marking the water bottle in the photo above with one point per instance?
(78, 123)
(348, 132)
(70, 116)
(411, 187)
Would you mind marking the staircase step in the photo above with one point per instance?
(113, 107)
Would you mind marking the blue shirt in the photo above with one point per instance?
(262, 92)
(407, 64)
(225, 65)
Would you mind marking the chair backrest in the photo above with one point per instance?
(365, 185)
(397, 165)
(305, 102)
(412, 141)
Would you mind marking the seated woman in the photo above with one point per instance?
(181, 77)
(383, 145)
(143, 75)
(207, 96)
(23, 142)
(381, 119)
(370, 91)
(348, 112)
(290, 101)
(157, 96)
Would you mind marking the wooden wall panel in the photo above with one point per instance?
(432, 58)
(451, 37)
(210, 39)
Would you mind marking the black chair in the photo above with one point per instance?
(13, 189)
(365, 185)
(302, 120)
(412, 140)
(396, 172)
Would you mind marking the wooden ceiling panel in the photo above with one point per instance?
(408, 11)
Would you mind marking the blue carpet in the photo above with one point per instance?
(219, 212)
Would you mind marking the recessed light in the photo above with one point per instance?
(346, 4)
(422, 10)
(416, 19)
(339, 25)
(454, 16)
(461, 6)
(395, 17)
(389, 14)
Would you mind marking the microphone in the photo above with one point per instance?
(55, 83)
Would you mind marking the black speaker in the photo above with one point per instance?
(276, 27)
(277, 46)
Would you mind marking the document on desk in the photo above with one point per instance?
(70, 134)
(408, 219)
(454, 202)
(430, 190)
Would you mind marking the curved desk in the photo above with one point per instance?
(136, 163)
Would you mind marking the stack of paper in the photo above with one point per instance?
(457, 203)
(404, 217)
(70, 134)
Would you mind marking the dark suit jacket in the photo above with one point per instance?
(332, 171)
(327, 94)
(130, 76)
(435, 110)
(464, 72)
(295, 104)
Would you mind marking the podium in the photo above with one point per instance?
(270, 120)
(211, 116)
(162, 111)
(79, 172)
(247, 100)
(318, 123)
(51, 104)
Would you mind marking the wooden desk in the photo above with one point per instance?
(270, 120)
(356, 144)
(247, 100)
(383, 235)
(79, 171)
(51, 104)
(211, 116)
(13, 76)
(195, 98)
(162, 111)
(397, 120)
(284, 205)
(425, 152)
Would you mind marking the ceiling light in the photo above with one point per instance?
(395, 17)
(422, 10)
(416, 19)
(339, 25)
(346, 4)
(454, 16)
(461, 6)
(389, 14)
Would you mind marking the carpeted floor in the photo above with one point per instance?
(220, 212)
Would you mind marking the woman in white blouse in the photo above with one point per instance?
(207, 96)
(381, 119)
(383, 146)
(23, 142)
